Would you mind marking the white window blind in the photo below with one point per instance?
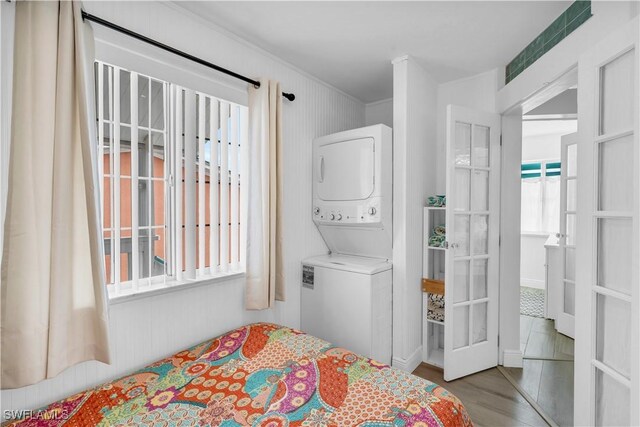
(170, 158)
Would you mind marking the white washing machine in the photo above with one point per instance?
(346, 300)
(346, 295)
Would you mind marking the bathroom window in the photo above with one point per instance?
(540, 197)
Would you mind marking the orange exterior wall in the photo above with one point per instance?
(125, 212)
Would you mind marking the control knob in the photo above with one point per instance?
(316, 211)
(339, 217)
(332, 217)
(372, 210)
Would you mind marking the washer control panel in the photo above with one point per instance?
(365, 213)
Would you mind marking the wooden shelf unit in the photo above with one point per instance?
(433, 269)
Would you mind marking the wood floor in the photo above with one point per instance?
(547, 373)
(546, 376)
(540, 340)
(489, 398)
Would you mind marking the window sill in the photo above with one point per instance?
(169, 287)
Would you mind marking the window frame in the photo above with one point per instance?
(170, 280)
(541, 173)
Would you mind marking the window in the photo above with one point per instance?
(540, 197)
(170, 162)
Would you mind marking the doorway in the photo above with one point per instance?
(547, 296)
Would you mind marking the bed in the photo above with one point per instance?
(261, 374)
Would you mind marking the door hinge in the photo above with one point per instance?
(498, 341)
(171, 180)
(500, 140)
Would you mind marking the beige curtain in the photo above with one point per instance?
(265, 282)
(53, 300)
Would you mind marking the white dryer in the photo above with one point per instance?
(346, 295)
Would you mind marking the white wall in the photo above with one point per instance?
(541, 139)
(379, 112)
(532, 260)
(147, 329)
(414, 132)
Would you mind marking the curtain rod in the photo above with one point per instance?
(105, 23)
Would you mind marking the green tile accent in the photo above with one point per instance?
(574, 16)
(531, 166)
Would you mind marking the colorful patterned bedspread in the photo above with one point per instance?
(261, 375)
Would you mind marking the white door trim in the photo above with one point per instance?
(586, 363)
(565, 322)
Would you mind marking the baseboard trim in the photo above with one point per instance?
(512, 359)
(409, 364)
(532, 283)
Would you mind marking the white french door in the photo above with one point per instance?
(565, 320)
(607, 364)
(471, 261)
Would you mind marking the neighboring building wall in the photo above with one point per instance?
(148, 328)
(160, 242)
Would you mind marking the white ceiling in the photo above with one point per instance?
(546, 128)
(349, 44)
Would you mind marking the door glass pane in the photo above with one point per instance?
(572, 185)
(480, 146)
(613, 333)
(480, 193)
(463, 144)
(479, 322)
(480, 278)
(461, 235)
(463, 190)
(616, 175)
(612, 401)
(614, 254)
(572, 160)
(461, 327)
(570, 264)
(461, 281)
(571, 229)
(616, 97)
(480, 234)
(569, 298)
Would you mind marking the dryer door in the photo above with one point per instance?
(345, 170)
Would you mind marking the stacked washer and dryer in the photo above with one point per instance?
(347, 294)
